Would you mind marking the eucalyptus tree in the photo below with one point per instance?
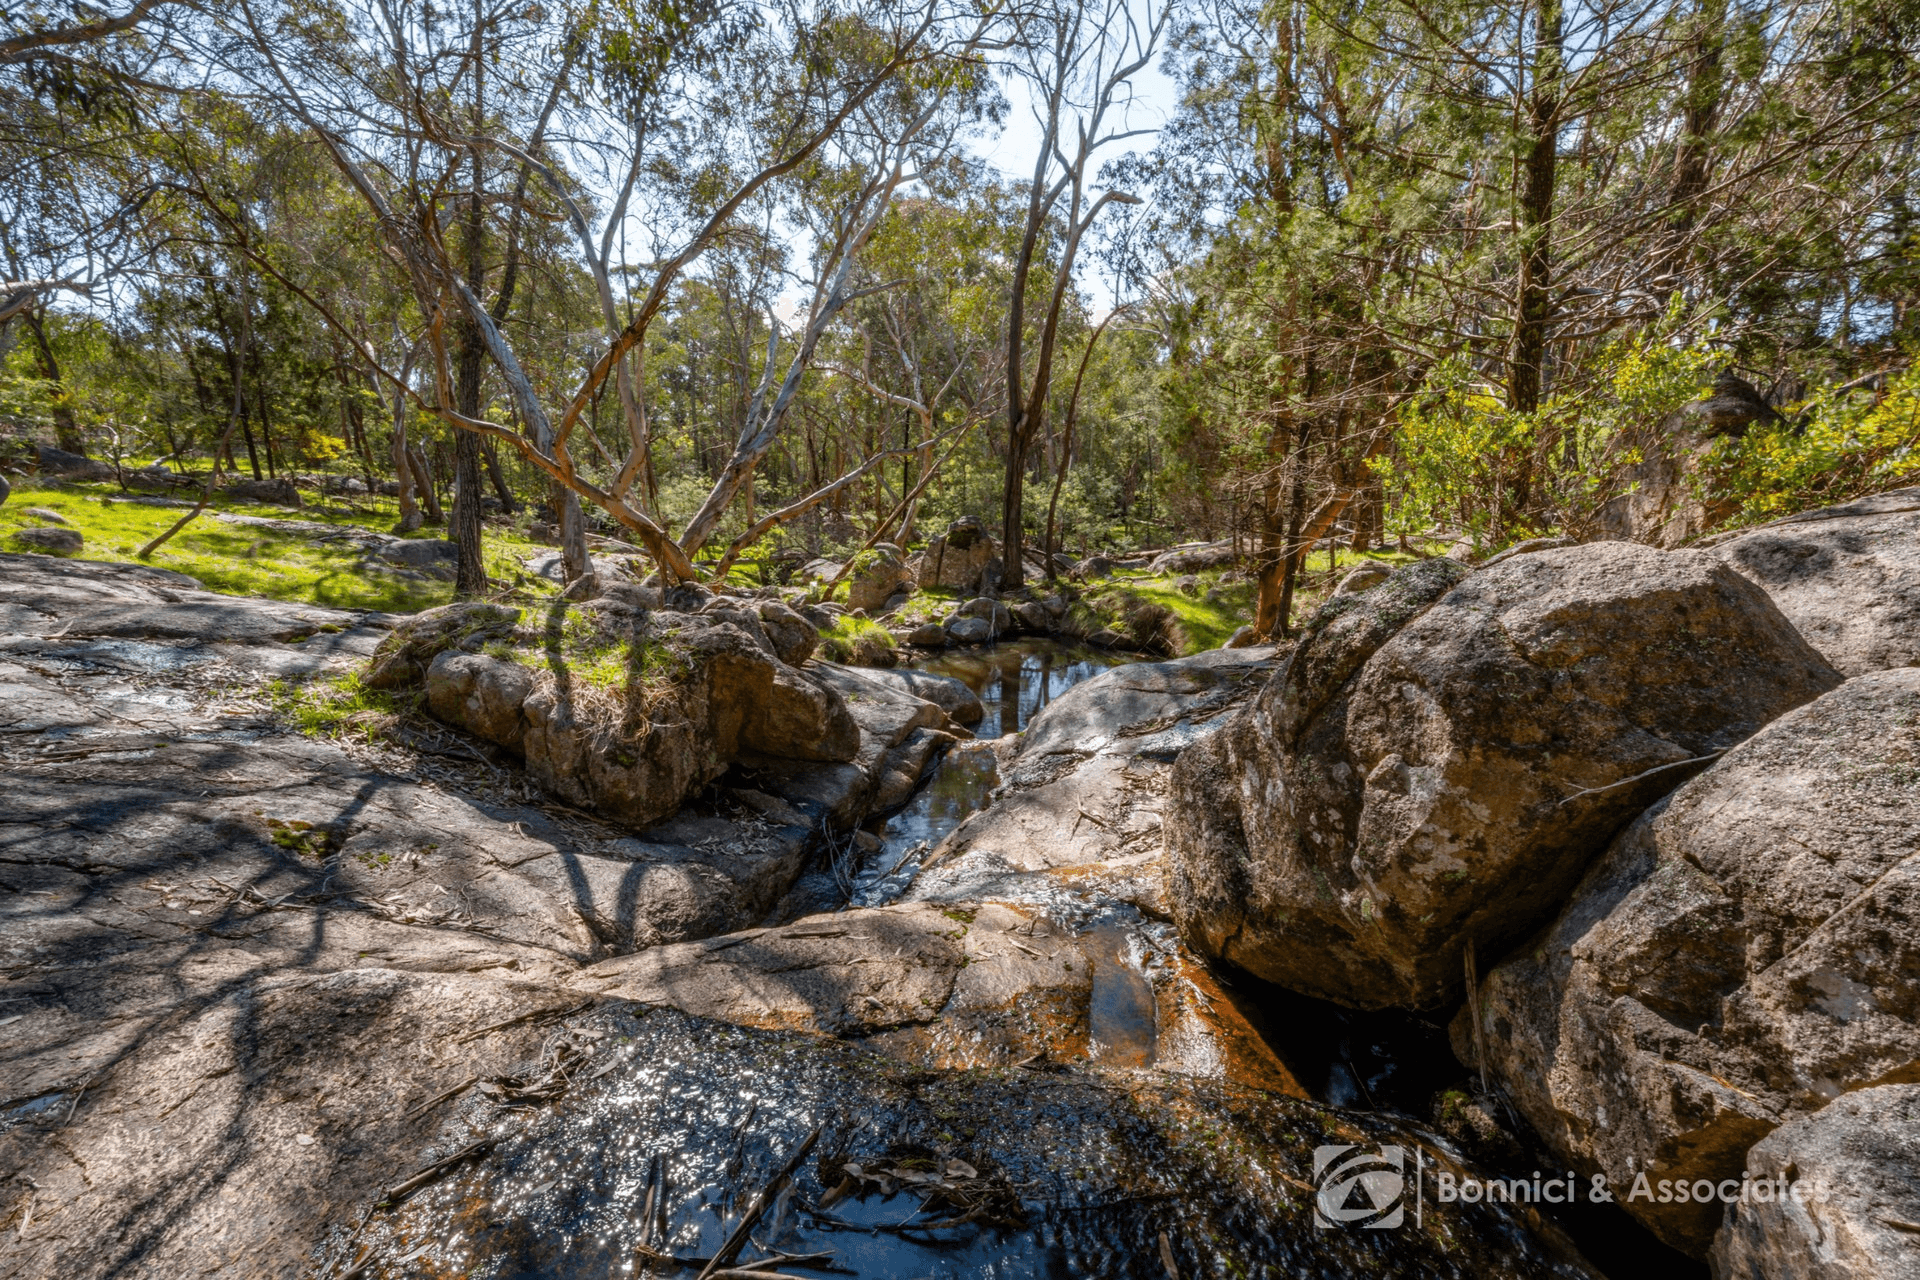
(77, 206)
(750, 101)
(1078, 59)
(1432, 238)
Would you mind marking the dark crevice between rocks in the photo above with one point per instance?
(1399, 1063)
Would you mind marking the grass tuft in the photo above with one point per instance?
(341, 707)
(856, 640)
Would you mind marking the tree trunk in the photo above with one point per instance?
(574, 560)
(1292, 551)
(66, 430)
(491, 456)
(1066, 443)
(1533, 300)
(1693, 163)
(1269, 617)
(470, 578)
(403, 462)
(266, 424)
(423, 476)
(246, 433)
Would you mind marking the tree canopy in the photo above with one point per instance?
(731, 280)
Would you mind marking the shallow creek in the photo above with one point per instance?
(1014, 682)
(646, 1166)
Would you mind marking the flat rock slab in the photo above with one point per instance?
(233, 960)
(884, 707)
(41, 595)
(960, 985)
(226, 1135)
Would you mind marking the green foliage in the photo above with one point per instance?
(1833, 446)
(1462, 453)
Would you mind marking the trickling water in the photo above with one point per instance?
(1121, 1019)
(672, 1125)
(1014, 682)
(961, 783)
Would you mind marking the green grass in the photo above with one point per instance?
(1317, 581)
(844, 640)
(340, 706)
(621, 664)
(1208, 618)
(928, 604)
(250, 560)
(1219, 609)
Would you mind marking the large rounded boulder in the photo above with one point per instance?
(1745, 953)
(1444, 755)
(957, 558)
(1848, 577)
(1857, 1165)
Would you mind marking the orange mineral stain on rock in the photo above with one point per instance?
(1203, 1033)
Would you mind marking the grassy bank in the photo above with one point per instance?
(240, 559)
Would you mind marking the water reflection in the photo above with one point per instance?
(962, 782)
(1016, 679)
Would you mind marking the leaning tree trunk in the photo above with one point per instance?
(470, 577)
(423, 477)
(403, 463)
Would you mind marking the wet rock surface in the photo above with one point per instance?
(962, 985)
(1444, 754)
(1745, 952)
(1081, 793)
(1859, 1160)
(678, 1121)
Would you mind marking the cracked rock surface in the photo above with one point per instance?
(1746, 953)
(251, 980)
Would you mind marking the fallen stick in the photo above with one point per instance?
(724, 1258)
(1659, 768)
(524, 1017)
(398, 1193)
(439, 1098)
